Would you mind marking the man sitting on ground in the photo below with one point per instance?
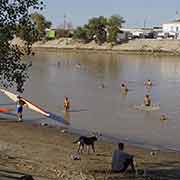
(122, 160)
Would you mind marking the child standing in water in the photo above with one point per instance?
(66, 104)
(148, 83)
(147, 100)
(19, 108)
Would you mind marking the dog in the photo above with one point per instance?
(88, 141)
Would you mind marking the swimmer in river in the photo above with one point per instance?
(163, 117)
(78, 65)
(124, 88)
(58, 64)
(148, 83)
(147, 100)
(66, 104)
(102, 85)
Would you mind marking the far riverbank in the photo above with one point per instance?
(138, 46)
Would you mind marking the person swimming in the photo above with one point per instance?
(163, 117)
(124, 87)
(147, 100)
(102, 85)
(148, 83)
(78, 65)
(66, 104)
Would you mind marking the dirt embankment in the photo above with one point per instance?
(140, 46)
(46, 152)
(153, 46)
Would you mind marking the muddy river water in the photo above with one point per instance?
(80, 75)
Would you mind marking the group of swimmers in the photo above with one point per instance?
(20, 103)
(124, 88)
(147, 99)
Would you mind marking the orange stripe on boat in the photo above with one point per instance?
(3, 110)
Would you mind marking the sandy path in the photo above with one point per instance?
(45, 152)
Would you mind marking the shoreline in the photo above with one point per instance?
(45, 152)
(136, 46)
(114, 140)
(108, 51)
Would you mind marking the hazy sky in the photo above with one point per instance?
(135, 12)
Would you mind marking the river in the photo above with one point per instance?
(79, 76)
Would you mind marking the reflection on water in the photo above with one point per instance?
(80, 75)
(67, 117)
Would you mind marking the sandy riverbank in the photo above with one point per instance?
(45, 152)
(138, 46)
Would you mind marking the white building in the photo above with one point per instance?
(172, 27)
(138, 32)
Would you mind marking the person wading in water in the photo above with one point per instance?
(147, 100)
(66, 104)
(19, 108)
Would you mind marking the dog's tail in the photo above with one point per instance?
(76, 141)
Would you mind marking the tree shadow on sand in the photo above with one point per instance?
(167, 170)
(12, 175)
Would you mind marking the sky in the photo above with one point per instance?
(136, 13)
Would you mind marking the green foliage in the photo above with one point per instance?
(95, 29)
(36, 31)
(97, 26)
(14, 15)
(40, 24)
(100, 29)
(82, 33)
(114, 24)
(27, 33)
(116, 20)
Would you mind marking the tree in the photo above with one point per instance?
(27, 33)
(114, 24)
(40, 24)
(82, 33)
(97, 26)
(95, 29)
(14, 14)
